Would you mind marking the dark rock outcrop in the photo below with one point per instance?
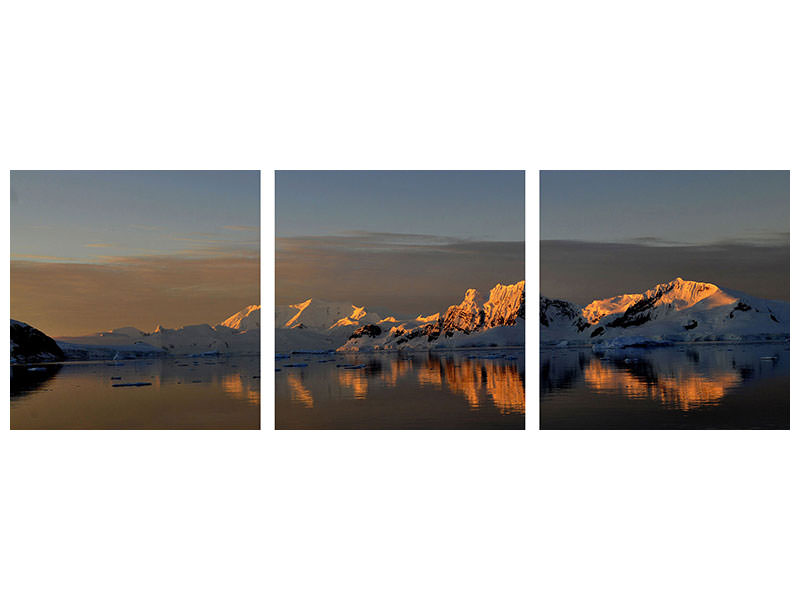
(368, 330)
(29, 345)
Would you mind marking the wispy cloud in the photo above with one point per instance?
(404, 273)
(147, 227)
(41, 257)
(242, 227)
(98, 245)
(754, 237)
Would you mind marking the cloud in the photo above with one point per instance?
(242, 227)
(142, 291)
(386, 238)
(402, 273)
(38, 257)
(585, 271)
(98, 245)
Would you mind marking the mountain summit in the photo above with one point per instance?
(315, 324)
(678, 310)
(238, 333)
(247, 318)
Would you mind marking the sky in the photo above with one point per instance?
(399, 242)
(605, 233)
(92, 251)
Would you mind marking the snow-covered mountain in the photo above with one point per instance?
(247, 318)
(321, 315)
(28, 345)
(318, 324)
(314, 324)
(238, 333)
(676, 311)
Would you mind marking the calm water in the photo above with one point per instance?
(185, 393)
(454, 390)
(698, 386)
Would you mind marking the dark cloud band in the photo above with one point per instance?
(585, 271)
(397, 273)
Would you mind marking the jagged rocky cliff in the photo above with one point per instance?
(476, 321)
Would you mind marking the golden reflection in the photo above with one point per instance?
(506, 388)
(430, 373)
(685, 389)
(396, 369)
(478, 381)
(234, 385)
(355, 380)
(465, 378)
(300, 393)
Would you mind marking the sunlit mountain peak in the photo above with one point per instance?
(247, 318)
(428, 319)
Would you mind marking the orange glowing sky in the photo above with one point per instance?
(91, 251)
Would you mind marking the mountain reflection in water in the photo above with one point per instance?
(700, 386)
(458, 390)
(221, 392)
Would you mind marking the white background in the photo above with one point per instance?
(369, 85)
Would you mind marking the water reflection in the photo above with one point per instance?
(300, 393)
(580, 388)
(356, 380)
(477, 380)
(508, 393)
(430, 390)
(683, 390)
(178, 393)
(26, 379)
(396, 369)
(236, 386)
